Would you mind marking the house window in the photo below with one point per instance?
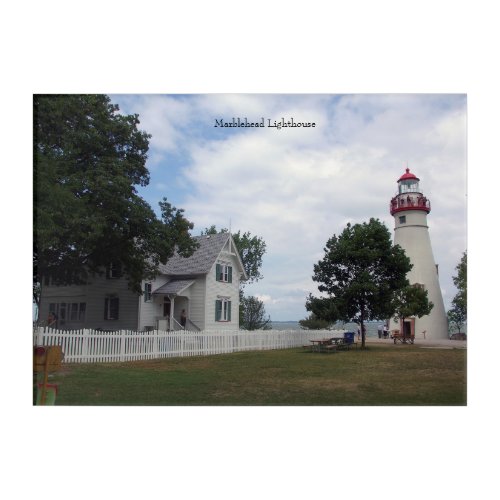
(224, 273)
(74, 311)
(223, 310)
(81, 312)
(111, 307)
(62, 313)
(68, 312)
(147, 292)
(402, 219)
(114, 270)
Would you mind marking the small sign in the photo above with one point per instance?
(47, 358)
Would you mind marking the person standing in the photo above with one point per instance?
(183, 318)
(52, 320)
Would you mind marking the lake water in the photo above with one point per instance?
(371, 326)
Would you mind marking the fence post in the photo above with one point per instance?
(39, 335)
(85, 345)
(156, 348)
(122, 345)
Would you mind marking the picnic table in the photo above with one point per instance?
(321, 345)
(402, 338)
(330, 345)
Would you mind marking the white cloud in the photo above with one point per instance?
(297, 187)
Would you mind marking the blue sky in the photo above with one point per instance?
(296, 187)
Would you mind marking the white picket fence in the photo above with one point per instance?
(93, 346)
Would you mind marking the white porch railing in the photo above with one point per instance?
(92, 346)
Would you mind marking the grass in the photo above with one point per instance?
(380, 375)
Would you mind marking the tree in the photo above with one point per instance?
(411, 301)
(88, 160)
(456, 318)
(460, 280)
(253, 314)
(457, 315)
(360, 274)
(312, 322)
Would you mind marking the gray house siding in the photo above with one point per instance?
(93, 295)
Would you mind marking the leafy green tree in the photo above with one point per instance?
(253, 314)
(411, 301)
(460, 280)
(456, 319)
(314, 323)
(360, 274)
(88, 160)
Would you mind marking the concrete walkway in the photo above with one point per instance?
(424, 343)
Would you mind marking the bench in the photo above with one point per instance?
(329, 348)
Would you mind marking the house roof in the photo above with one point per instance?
(203, 258)
(174, 287)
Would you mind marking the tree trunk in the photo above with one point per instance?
(363, 332)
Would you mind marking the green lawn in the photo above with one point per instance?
(380, 375)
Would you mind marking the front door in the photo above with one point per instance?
(166, 307)
(409, 327)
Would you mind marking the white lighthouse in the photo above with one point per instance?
(410, 208)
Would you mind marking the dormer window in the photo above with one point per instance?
(224, 273)
(114, 271)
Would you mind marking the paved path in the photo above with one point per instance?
(445, 343)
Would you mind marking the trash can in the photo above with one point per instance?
(349, 337)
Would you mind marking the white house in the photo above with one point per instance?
(205, 286)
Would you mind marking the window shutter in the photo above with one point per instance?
(230, 274)
(106, 304)
(218, 309)
(229, 310)
(115, 307)
(217, 272)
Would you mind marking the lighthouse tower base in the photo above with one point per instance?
(426, 327)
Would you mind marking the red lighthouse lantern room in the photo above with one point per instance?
(409, 196)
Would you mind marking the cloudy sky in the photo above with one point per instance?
(296, 187)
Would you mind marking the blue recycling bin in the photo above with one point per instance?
(349, 337)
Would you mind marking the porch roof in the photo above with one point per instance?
(174, 287)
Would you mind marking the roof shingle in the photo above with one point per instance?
(202, 259)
